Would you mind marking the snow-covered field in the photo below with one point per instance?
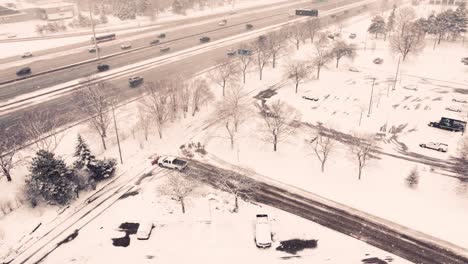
(437, 206)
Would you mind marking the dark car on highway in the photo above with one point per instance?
(23, 71)
(135, 81)
(154, 42)
(249, 26)
(103, 67)
(165, 49)
(162, 35)
(244, 52)
(204, 39)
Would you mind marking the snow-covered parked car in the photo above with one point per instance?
(453, 109)
(27, 55)
(458, 100)
(352, 36)
(172, 163)
(412, 87)
(353, 69)
(435, 146)
(378, 60)
(144, 230)
(465, 60)
(262, 231)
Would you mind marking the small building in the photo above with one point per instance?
(57, 11)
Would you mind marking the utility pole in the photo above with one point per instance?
(370, 99)
(396, 74)
(117, 133)
(94, 29)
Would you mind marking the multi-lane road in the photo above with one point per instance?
(178, 39)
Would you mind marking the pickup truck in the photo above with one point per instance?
(262, 231)
(449, 124)
(172, 163)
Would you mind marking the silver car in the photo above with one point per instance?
(435, 146)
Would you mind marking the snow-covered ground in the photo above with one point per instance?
(437, 206)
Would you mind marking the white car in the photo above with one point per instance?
(262, 231)
(11, 35)
(435, 146)
(222, 22)
(126, 46)
(26, 55)
(144, 230)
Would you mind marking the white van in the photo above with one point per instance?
(262, 231)
(144, 230)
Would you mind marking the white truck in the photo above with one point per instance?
(262, 231)
(171, 163)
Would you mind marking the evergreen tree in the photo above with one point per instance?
(125, 9)
(178, 8)
(460, 19)
(391, 20)
(83, 154)
(50, 179)
(377, 26)
(103, 18)
(102, 169)
(422, 24)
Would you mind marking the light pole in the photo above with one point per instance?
(117, 133)
(211, 197)
(94, 30)
(370, 99)
(396, 74)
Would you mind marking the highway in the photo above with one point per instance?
(186, 67)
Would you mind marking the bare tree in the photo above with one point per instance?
(42, 128)
(461, 160)
(322, 53)
(179, 188)
(144, 121)
(312, 26)
(174, 85)
(404, 16)
(239, 186)
(262, 54)
(343, 49)
(323, 146)
(226, 72)
(296, 71)
(410, 40)
(94, 101)
(185, 97)
(231, 112)
(244, 62)
(156, 104)
(361, 150)
(276, 42)
(201, 94)
(9, 142)
(297, 34)
(279, 121)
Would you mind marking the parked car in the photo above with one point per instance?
(262, 231)
(248, 26)
(26, 55)
(204, 39)
(231, 52)
(23, 71)
(244, 52)
(453, 109)
(331, 36)
(412, 87)
(222, 22)
(352, 36)
(436, 146)
(154, 42)
(459, 100)
(103, 67)
(353, 69)
(162, 35)
(172, 163)
(126, 46)
(378, 61)
(465, 60)
(92, 49)
(11, 35)
(135, 81)
(165, 49)
(450, 124)
(144, 230)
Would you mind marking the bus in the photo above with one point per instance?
(103, 38)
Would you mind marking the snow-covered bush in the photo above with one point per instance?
(102, 169)
(51, 27)
(50, 179)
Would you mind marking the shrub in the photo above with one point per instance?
(102, 169)
(413, 178)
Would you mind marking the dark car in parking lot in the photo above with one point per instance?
(204, 39)
(23, 71)
(450, 124)
(135, 81)
(103, 67)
